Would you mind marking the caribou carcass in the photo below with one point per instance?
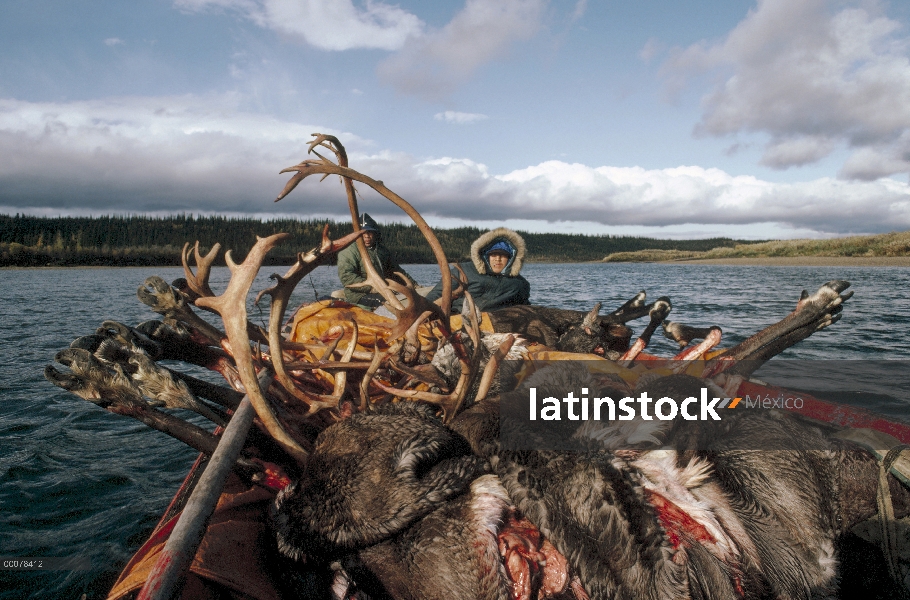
(750, 507)
(574, 330)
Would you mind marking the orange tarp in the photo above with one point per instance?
(312, 322)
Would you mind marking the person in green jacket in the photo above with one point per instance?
(351, 270)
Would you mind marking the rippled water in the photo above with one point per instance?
(78, 481)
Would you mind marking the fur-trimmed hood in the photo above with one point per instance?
(491, 237)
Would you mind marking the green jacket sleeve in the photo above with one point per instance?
(350, 271)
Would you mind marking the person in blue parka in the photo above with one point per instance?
(493, 272)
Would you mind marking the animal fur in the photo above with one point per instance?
(404, 498)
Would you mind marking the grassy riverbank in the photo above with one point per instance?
(882, 249)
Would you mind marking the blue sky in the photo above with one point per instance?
(776, 118)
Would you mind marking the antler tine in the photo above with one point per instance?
(307, 168)
(413, 312)
(411, 337)
(341, 377)
(489, 372)
(471, 321)
(199, 281)
(231, 305)
(374, 366)
(327, 355)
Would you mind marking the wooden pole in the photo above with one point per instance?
(170, 569)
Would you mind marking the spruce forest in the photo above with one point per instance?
(27, 241)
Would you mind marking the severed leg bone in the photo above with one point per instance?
(681, 361)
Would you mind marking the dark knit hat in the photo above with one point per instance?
(367, 223)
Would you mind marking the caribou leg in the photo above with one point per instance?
(111, 389)
(684, 334)
(631, 310)
(750, 363)
(810, 314)
(152, 380)
(659, 311)
(178, 343)
(164, 300)
(218, 394)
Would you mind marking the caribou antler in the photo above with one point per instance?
(231, 305)
(199, 282)
(281, 295)
(451, 403)
(326, 167)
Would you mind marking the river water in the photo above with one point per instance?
(78, 482)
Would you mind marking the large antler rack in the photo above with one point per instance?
(325, 167)
(231, 305)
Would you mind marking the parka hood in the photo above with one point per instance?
(482, 243)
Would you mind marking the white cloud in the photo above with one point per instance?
(195, 154)
(113, 42)
(426, 63)
(813, 76)
(433, 65)
(325, 24)
(459, 118)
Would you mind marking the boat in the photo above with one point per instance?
(229, 557)
(214, 539)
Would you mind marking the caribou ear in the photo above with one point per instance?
(591, 318)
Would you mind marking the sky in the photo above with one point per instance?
(746, 119)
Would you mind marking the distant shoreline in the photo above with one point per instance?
(801, 261)
(761, 261)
